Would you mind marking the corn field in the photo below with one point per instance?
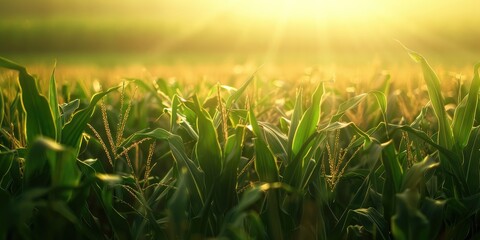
(161, 160)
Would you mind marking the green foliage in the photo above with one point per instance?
(465, 113)
(409, 222)
(228, 163)
(37, 110)
(445, 135)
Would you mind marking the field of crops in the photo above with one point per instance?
(240, 157)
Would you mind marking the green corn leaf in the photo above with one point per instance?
(386, 80)
(308, 123)
(11, 65)
(234, 219)
(147, 88)
(53, 101)
(178, 207)
(265, 162)
(254, 124)
(207, 149)
(50, 164)
(393, 168)
(226, 194)
(382, 103)
(37, 171)
(445, 134)
(416, 174)
(196, 178)
(312, 166)
(465, 112)
(393, 178)
(178, 120)
(237, 94)
(64, 168)
(472, 163)
(381, 100)
(174, 117)
(354, 101)
(349, 104)
(301, 134)
(409, 222)
(68, 109)
(433, 210)
(37, 110)
(276, 140)
(73, 130)
(294, 121)
(158, 133)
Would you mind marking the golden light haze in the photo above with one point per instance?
(323, 29)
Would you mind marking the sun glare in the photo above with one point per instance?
(331, 26)
(308, 9)
(309, 25)
(239, 29)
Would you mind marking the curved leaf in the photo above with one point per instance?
(309, 121)
(445, 134)
(37, 110)
(465, 112)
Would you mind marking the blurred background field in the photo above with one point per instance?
(212, 37)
